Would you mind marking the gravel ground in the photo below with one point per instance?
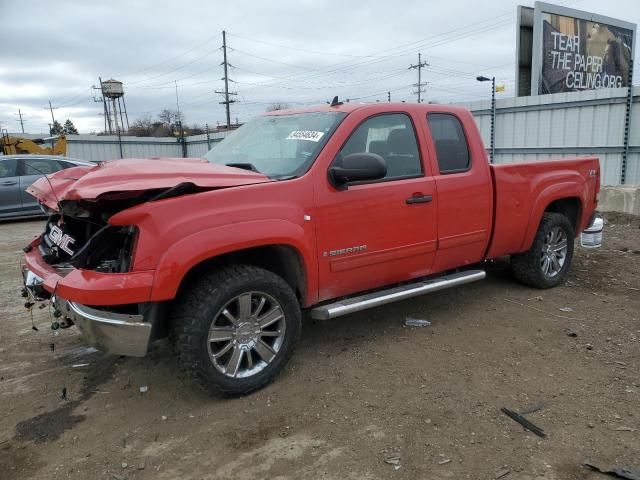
(364, 397)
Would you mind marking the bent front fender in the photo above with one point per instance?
(190, 251)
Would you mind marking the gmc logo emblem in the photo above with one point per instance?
(62, 240)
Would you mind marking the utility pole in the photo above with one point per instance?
(53, 120)
(419, 85)
(177, 102)
(21, 120)
(227, 101)
(389, 96)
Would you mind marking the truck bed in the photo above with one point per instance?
(523, 191)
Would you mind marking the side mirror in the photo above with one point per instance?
(357, 167)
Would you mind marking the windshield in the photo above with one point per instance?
(279, 146)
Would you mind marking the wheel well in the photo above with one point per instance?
(282, 260)
(569, 207)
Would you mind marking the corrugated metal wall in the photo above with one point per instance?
(563, 125)
(96, 148)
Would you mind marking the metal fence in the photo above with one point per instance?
(592, 122)
(109, 147)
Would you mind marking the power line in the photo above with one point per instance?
(172, 58)
(135, 82)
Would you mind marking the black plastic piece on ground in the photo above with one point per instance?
(524, 422)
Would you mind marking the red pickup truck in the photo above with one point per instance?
(332, 209)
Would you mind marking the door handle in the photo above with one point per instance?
(419, 199)
(9, 182)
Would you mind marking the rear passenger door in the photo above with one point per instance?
(465, 193)
(33, 169)
(10, 203)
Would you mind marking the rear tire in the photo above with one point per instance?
(546, 263)
(235, 328)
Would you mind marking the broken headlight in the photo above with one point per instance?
(109, 250)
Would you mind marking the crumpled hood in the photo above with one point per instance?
(126, 177)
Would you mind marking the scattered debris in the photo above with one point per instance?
(115, 476)
(52, 346)
(539, 310)
(144, 388)
(524, 422)
(538, 298)
(416, 322)
(566, 309)
(620, 472)
(164, 417)
(625, 429)
(63, 395)
(501, 473)
(589, 346)
(393, 460)
(124, 465)
(571, 333)
(78, 365)
(444, 462)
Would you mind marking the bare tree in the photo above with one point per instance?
(278, 106)
(142, 127)
(171, 119)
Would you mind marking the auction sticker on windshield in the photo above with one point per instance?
(310, 135)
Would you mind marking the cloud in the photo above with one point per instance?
(292, 52)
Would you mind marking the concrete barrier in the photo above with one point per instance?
(620, 199)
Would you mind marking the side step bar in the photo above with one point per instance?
(375, 299)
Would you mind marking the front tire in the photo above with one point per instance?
(235, 328)
(546, 263)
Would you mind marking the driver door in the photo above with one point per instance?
(382, 232)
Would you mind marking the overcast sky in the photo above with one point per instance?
(296, 52)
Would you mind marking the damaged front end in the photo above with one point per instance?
(82, 251)
(69, 242)
(85, 260)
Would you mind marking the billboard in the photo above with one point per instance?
(573, 50)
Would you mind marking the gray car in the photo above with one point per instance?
(17, 172)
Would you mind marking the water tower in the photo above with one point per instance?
(114, 106)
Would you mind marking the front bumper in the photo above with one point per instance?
(117, 333)
(93, 301)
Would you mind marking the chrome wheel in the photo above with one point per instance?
(246, 334)
(554, 252)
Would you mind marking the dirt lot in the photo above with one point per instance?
(360, 390)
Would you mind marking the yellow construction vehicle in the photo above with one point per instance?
(17, 145)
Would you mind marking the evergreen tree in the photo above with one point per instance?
(70, 128)
(57, 129)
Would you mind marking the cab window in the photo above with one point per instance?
(393, 138)
(448, 137)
